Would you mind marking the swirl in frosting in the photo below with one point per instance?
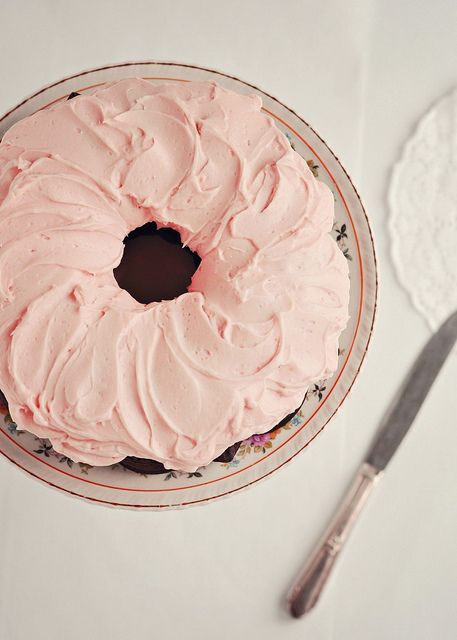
(101, 375)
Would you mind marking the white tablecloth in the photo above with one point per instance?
(362, 73)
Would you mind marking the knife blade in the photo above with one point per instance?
(394, 426)
(412, 394)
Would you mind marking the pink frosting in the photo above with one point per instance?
(103, 376)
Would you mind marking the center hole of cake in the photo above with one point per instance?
(155, 266)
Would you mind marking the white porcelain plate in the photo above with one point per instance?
(259, 456)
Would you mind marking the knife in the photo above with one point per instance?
(310, 582)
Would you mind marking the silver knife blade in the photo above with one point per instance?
(412, 394)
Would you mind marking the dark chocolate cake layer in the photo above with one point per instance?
(149, 467)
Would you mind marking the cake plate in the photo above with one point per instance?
(259, 456)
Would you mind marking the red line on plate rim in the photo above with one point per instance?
(131, 489)
(178, 504)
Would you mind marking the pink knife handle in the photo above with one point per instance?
(312, 579)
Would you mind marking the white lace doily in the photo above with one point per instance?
(423, 213)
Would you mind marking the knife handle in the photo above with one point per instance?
(310, 582)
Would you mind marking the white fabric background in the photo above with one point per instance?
(362, 73)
